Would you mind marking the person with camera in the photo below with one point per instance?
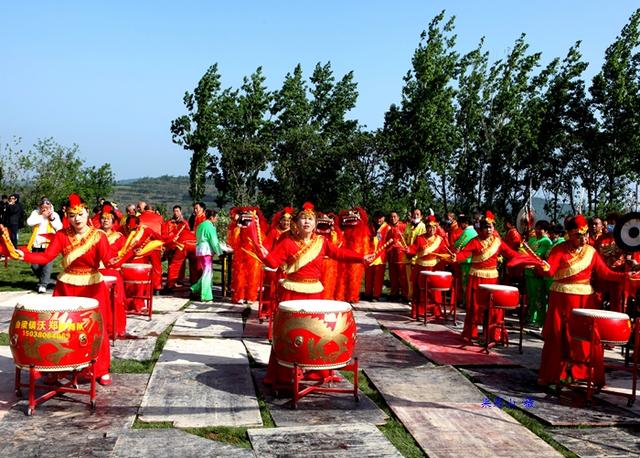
(45, 223)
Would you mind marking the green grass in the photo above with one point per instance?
(393, 429)
(129, 366)
(4, 338)
(229, 435)
(137, 424)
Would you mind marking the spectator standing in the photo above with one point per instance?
(14, 217)
(45, 222)
(207, 244)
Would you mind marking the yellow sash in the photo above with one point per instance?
(489, 248)
(306, 254)
(579, 262)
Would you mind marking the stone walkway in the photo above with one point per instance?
(203, 379)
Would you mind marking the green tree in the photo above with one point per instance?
(196, 130)
(615, 93)
(242, 141)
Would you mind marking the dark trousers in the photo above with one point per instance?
(42, 272)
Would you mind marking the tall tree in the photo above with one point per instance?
(196, 130)
(242, 141)
(430, 138)
(615, 95)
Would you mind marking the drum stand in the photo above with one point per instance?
(488, 326)
(302, 386)
(146, 296)
(596, 345)
(267, 303)
(53, 390)
(441, 305)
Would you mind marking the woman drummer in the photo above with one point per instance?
(300, 255)
(83, 248)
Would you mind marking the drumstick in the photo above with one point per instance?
(253, 255)
(379, 251)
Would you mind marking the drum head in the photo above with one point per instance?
(56, 303)
(314, 305)
(493, 287)
(109, 278)
(436, 273)
(135, 266)
(594, 313)
(627, 232)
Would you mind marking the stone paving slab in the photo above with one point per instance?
(424, 386)
(216, 307)
(461, 429)
(518, 385)
(172, 442)
(199, 396)
(366, 323)
(5, 318)
(322, 440)
(208, 325)
(381, 306)
(55, 443)
(207, 351)
(68, 415)
(168, 303)
(597, 442)
(253, 329)
(259, 349)
(7, 377)
(8, 299)
(140, 326)
(385, 350)
(320, 408)
(403, 321)
(140, 349)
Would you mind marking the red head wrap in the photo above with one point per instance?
(76, 205)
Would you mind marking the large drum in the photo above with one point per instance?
(614, 328)
(504, 297)
(136, 273)
(438, 280)
(59, 333)
(315, 334)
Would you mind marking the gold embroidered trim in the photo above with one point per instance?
(572, 288)
(78, 247)
(80, 279)
(577, 263)
(490, 247)
(305, 255)
(483, 273)
(427, 262)
(303, 287)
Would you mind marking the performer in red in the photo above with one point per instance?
(571, 264)
(83, 249)
(197, 216)
(141, 246)
(355, 228)
(280, 225)
(395, 255)
(108, 217)
(430, 250)
(484, 251)
(411, 232)
(181, 242)
(245, 277)
(374, 273)
(301, 257)
(327, 226)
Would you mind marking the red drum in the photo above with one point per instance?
(614, 328)
(136, 273)
(60, 333)
(438, 280)
(504, 297)
(314, 333)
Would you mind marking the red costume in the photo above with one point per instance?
(327, 227)
(181, 241)
(571, 268)
(116, 242)
(374, 273)
(426, 249)
(484, 254)
(81, 259)
(245, 279)
(395, 256)
(355, 228)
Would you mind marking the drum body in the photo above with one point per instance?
(315, 334)
(136, 273)
(58, 333)
(438, 280)
(614, 328)
(504, 297)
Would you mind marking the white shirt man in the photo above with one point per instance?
(45, 222)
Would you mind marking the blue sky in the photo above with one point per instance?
(110, 76)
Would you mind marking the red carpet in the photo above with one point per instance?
(444, 346)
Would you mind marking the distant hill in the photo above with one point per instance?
(164, 192)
